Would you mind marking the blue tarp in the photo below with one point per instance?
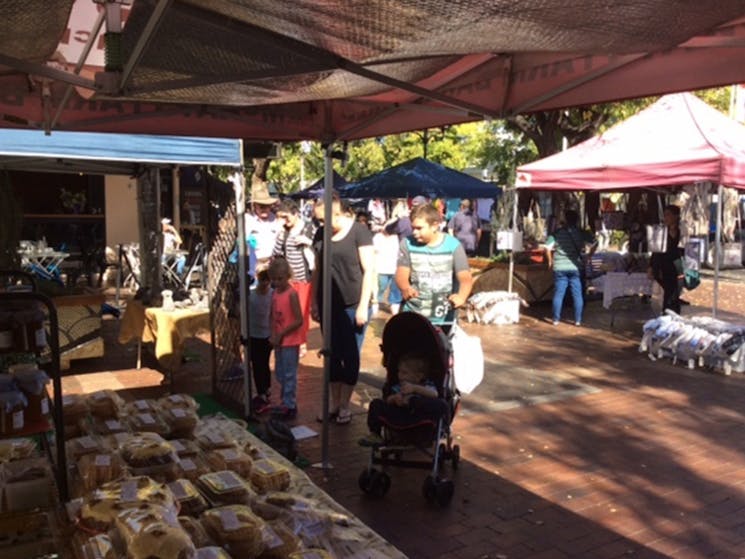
(25, 148)
(420, 177)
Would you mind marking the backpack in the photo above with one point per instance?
(279, 436)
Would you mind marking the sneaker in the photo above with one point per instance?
(555, 323)
(372, 440)
(283, 412)
(578, 323)
(234, 373)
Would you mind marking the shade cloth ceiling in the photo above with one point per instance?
(677, 140)
(419, 177)
(341, 69)
(87, 152)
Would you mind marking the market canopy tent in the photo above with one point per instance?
(315, 190)
(677, 140)
(97, 153)
(288, 70)
(420, 177)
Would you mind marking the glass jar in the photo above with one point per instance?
(30, 334)
(6, 331)
(33, 383)
(12, 406)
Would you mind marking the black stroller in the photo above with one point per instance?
(411, 332)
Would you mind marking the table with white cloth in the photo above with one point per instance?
(615, 285)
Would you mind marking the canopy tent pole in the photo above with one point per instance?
(239, 184)
(514, 230)
(328, 185)
(717, 251)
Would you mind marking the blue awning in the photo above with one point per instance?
(32, 150)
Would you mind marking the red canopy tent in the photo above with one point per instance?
(677, 140)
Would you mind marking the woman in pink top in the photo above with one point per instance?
(287, 335)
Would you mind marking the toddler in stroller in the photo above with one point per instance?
(419, 401)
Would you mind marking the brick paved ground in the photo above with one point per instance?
(613, 456)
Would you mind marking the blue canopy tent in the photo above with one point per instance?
(98, 153)
(420, 177)
(315, 190)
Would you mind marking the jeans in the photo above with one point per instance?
(260, 350)
(562, 279)
(285, 369)
(385, 281)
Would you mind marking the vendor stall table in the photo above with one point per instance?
(166, 329)
(615, 285)
(532, 282)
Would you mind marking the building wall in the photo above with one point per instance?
(121, 210)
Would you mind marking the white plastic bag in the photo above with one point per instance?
(468, 360)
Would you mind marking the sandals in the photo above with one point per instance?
(333, 416)
(343, 417)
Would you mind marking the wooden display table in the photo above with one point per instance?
(532, 282)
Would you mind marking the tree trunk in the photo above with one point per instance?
(148, 199)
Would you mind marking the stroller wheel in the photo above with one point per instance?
(455, 456)
(429, 489)
(374, 483)
(444, 492)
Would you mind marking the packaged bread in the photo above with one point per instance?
(267, 475)
(310, 554)
(180, 421)
(79, 446)
(183, 401)
(190, 500)
(98, 547)
(131, 522)
(212, 438)
(141, 406)
(196, 531)
(226, 487)
(279, 541)
(99, 468)
(253, 450)
(237, 528)
(16, 449)
(230, 459)
(147, 422)
(191, 468)
(143, 450)
(105, 403)
(185, 447)
(106, 426)
(74, 408)
(212, 552)
(102, 505)
(162, 541)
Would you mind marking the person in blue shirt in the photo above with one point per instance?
(565, 251)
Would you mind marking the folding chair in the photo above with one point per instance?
(195, 267)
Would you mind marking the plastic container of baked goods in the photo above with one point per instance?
(33, 383)
(225, 487)
(192, 468)
(196, 531)
(267, 475)
(148, 422)
(183, 401)
(191, 502)
(99, 468)
(237, 528)
(12, 412)
(181, 421)
(74, 408)
(184, 447)
(279, 541)
(105, 403)
(310, 554)
(212, 552)
(230, 459)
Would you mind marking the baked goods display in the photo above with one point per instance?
(105, 403)
(102, 505)
(214, 493)
(180, 421)
(226, 487)
(267, 475)
(190, 500)
(237, 528)
(230, 459)
(98, 468)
